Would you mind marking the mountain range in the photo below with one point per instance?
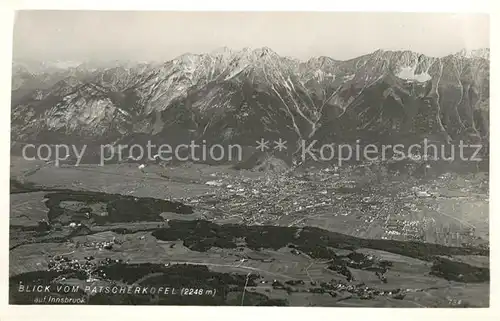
(240, 96)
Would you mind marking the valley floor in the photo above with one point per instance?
(315, 237)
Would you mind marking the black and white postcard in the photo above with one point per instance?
(290, 159)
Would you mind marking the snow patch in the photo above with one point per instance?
(321, 75)
(408, 73)
(349, 77)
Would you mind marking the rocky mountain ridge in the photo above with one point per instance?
(241, 96)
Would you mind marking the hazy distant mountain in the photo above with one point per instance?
(240, 96)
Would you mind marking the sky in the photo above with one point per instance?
(161, 36)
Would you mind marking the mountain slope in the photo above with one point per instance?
(241, 96)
